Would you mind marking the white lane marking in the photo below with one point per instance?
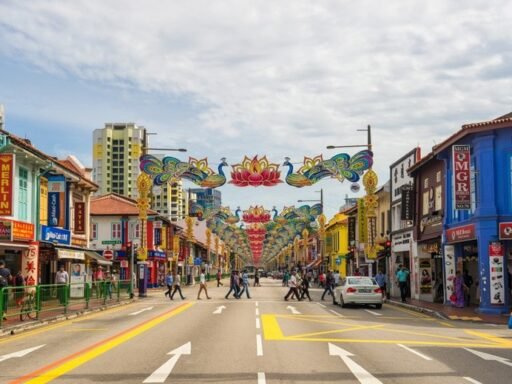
(320, 304)
(294, 311)
(336, 313)
(257, 304)
(488, 356)
(258, 326)
(257, 312)
(163, 372)
(373, 313)
(261, 378)
(259, 346)
(471, 380)
(219, 310)
(140, 311)
(21, 353)
(359, 372)
(415, 352)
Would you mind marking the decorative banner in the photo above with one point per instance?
(361, 220)
(462, 233)
(56, 201)
(407, 206)
(30, 264)
(425, 276)
(505, 231)
(255, 173)
(256, 215)
(79, 217)
(351, 230)
(461, 176)
(497, 272)
(6, 183)
(340, 166)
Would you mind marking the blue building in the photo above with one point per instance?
(477, 224)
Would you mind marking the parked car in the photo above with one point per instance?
(359, 290)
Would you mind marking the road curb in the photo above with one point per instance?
(415, 308)
(19, 328)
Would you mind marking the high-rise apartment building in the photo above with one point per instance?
(208, 198)
(116, 151)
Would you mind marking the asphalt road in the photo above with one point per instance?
(259, 340)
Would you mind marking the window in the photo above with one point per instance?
(116, 231)
(438, 198)
(136, 231)
(94, 231)
(23, 194)
(425, 183)
(425, 203)
(438, 177)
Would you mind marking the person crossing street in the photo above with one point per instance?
(202, 286)
(292, 283)
(329, 284)
(245, 284)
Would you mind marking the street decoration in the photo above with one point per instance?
(256, 214)
(255, 172)
(340, 166)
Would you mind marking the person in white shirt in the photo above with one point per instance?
(61, 279)
(292, 283)
(202, 285)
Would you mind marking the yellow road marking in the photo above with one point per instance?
(64, 323)
(486, 336)
(85, 329)
(61, 367)
(271, 328)
(336, 331)
(412, 313)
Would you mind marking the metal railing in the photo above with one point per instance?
(48, 300)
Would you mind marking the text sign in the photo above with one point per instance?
(497, 270)
(407, 203)
(6, 183)
(505, 231)
(79, 217)
(55, 235)
(463, 233)
(461, 176)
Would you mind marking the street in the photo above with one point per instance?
(259, 340)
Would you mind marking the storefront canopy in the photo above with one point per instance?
(98, 258)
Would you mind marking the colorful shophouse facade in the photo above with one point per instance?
(478, 210)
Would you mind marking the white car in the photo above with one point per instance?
(359, 290)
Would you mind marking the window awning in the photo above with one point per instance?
(98, 258)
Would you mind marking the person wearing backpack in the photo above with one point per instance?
(5, 278)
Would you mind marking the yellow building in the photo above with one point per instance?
(336, 243)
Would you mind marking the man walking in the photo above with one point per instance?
(245, 284)
(402, 275)
(380, 278)
(61, 279)
(5, 278)
(305, 286)
(202, 286)
(329, 284)
(232, 286)
(219, 277)
(292, 283)
(176, 280)
(168, 282)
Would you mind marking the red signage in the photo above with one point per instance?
(463, 233)
(22, 231)
(461, 176)
(495, 249)
(6, 183)
(30, 263)
(505, 231)
(108, 254)
(79, 217)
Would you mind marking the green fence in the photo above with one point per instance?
(48, 300)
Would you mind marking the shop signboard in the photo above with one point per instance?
(505, 231)
(462, 233)
(30, 263)
(70, 254)
(361, 219)
(55, 235)
(22, 231)
(461, 176)
(5, 230)
(158, 236)
(56, 201)
(407, 203)
(449, 270)
(425, 276)
(77, 279)
(79, 217)
(351, 230)
(497, 272)
(6, 183)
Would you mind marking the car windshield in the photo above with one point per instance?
(359, 281)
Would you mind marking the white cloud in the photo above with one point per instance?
(276, 78)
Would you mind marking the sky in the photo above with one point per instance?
(244, 78)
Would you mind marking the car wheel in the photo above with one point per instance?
(378, 306)
(342, 302)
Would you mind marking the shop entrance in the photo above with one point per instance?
(470, 264)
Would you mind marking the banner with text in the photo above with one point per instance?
(461, 176)
(6, 183)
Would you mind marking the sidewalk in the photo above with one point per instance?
(449, 312)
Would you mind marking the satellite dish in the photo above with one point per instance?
(355, 187)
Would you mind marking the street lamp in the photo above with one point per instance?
(368, 145)
(321, 200)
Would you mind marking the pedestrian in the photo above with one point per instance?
(5, 279)
(402, 275)
(168, 282)
(245, 284)
(458, 290)
(329, 284)
(108, 285)
(202, 286)
(219, 277)
(232, 285)
(99, 277)
(61, 279)
(468, 282)
(257, 279)
(306, 282)
(321, 280)
(19, 282)
(357, 272)
(380, 278)
(292, 284)
(176, 281)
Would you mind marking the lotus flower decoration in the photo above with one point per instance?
(256, 214)
(255, 172)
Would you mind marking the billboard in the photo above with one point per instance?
(461, 176)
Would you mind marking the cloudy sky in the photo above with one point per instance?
(275, 78)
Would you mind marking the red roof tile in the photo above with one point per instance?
(115, 205)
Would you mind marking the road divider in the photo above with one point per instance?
(259, 345)
(261, 378)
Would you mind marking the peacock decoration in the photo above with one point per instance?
(170, 170)
(340, 166)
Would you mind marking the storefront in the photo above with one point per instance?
(157, 261)
(430, 264)
(17, 248)
(401, 254)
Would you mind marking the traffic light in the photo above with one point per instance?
(387, 248)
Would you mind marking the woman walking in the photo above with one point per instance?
(176, 280)
(202, 286)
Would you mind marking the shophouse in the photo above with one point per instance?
(478, 210)
(383, 215)
(403, 247)
(428, 213)
(336, 249)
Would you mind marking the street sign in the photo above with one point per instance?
(108, 254)
(111, 242)
(338, 260)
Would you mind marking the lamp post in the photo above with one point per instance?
(321, 200)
